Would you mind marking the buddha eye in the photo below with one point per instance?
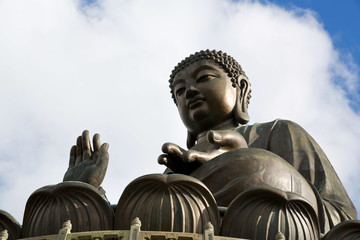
(205, 78)
(179, 92)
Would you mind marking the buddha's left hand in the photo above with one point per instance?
(172, 158)
(222, 141)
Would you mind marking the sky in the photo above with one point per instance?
(104, 65)
(341, 19)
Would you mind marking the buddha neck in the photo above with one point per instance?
(224, 125)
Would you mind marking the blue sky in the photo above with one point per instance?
(340, 18)
(342, 21)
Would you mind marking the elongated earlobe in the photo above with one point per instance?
(241, 113)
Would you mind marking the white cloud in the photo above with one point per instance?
(105, 68)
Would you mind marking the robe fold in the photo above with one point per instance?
(296, 164)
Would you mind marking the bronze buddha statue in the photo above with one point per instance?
(212, 94)
(265, 178)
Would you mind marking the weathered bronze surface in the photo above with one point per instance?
(212, 94)
(174, 203)
(8, 223)
(347, 230)
(265, 211)
(267, 180)
(50, 206)
(87, 165)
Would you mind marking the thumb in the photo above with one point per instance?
(228, 139)
(103, 158)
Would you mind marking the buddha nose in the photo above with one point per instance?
(191, 91)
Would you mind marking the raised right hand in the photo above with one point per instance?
(86, 165)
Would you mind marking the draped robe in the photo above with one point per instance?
(284, 156)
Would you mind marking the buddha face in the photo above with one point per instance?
(205, 96)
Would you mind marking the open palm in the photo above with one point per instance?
(87, 165)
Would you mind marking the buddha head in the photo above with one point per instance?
(209, 88)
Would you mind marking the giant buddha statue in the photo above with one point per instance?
(249, 181)
(278, 159)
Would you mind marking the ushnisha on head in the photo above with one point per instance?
(210, 89)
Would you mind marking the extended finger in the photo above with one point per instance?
(163, 159)
(227, 139)
(72, 158)
(174, 163)
(79, 152)
(96, 142)
(172, 148)
(86, 145)
(199, 157)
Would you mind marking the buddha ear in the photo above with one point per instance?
(241, 106)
